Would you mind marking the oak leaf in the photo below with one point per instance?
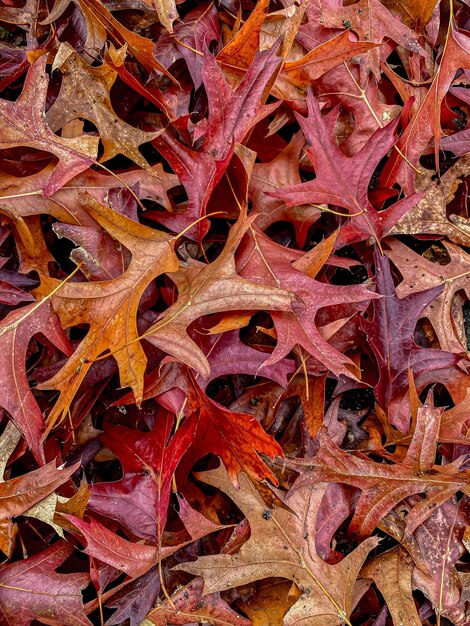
(85, 94)
(139, 501)
(100, 21)
(32, 589)
(24, 124)
(197, 30)
(204, 289)
(327, 589)
(371, 21)
(426, 123)
(420, 274)
(135, 599)
(328, 55)
(18, 328)
(187, 605)
(435, 547)
(430, 215)
(281, 171)
(454, 422)
(19, 494)
(384, 485)
(268, 263)
(237, 55)
(232, 113)
(95, 31)
(134, 559)
(344, 181)
(235, 437)
(421, 11)
(110, 307)
(166, 11)
(391, 336)
(392, 572)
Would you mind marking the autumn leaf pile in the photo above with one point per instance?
(234, 284)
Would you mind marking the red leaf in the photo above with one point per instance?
(343, 181)
(32, 589)
(19, 327)
(140, 500)
(267, 263)
(425, 123)
(231, 115)
(131, 558)
(383, 486)
(391, 337)
(235, 437)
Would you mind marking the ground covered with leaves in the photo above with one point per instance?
(234, 279)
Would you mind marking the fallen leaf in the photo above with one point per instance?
(384, 485)
(420, 274)
(391, 336)
(391, 572)
(139, 501)
(235, 437)
(292, 537)
(79, 82)
(343, 181)
(32, 589)
(188, 604)
(19, 327)
(112, 306)
(24, 124)
(204, 289)
(268, 263)
(20, 494)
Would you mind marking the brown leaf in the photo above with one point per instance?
(436, 546)
(327, 589)
(272, 600)
(391, 572)
(371, 21)
(166, 10)
(429, 216)
(454, 421)
(85, 93)
(418, 11)
(188, 606)
(212, 288)
(95, 30)
(140, 47)
(284, 23)
(8, 442)
(24, 124)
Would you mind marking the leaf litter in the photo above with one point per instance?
(234, 296)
